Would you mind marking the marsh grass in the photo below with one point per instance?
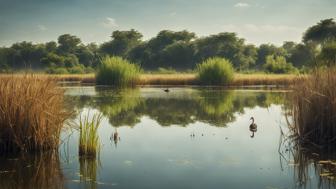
(32, 113)
(314, 108)
(118, 72)
(89, 143)
(215, 71)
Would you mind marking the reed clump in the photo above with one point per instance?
(314, 108)
(89, 143)
(32, 113)
(118, 72)
(215, 71)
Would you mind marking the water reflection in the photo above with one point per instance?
(88, 168)
(115, 137)
(38, 171)
(216, 107)
(307, 160)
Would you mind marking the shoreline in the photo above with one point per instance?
(240, 80)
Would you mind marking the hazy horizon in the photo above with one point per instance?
(258, 21)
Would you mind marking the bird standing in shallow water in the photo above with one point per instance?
(166, 90)
(253, 127)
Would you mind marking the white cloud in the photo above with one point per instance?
(110, 23)
(41, 27)
(241, 5)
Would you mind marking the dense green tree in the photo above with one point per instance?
(226, 45)
(267, 50)
(68, 43)
(278, 64)
(153, 53)
(303, 55)
(178, 55)
(121, 43)
(322, 32)
(53, 60)
(327, 56)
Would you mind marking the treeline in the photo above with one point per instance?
(181, 50)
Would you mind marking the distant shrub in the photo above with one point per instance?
(166, 71)
(54, 70)
(80, 69)
(278, 64)
(118, 72)
(215, 71)
(89, 69)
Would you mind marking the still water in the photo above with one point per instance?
(186, 138)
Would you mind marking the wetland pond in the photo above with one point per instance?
(186, 138)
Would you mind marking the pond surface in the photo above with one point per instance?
(186, 138)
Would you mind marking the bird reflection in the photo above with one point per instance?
(116, 138)
(253, 127)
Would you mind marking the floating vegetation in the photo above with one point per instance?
(89, 143)
(32, 113)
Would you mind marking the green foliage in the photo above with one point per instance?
(118, 72)
(215, 71)
(266, 50)
(327, 56)
(88, 135)
(180, 50)
(68, 43)
(278, 64)
(121, 43)
(77, 69)
(53, 70)
(166, 71)
(322, 32)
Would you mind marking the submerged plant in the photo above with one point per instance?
(89, 143)
(118, 72)
(32, 113)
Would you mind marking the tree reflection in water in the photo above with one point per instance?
(217, 107)
(38, 171)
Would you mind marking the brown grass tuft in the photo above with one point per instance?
(32, 113)
(314, 107)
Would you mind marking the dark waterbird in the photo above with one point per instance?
(166, 90)
(253, 127)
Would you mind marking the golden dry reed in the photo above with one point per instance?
(89, 143)
(32, 113)
(314, 108)
(188, 79)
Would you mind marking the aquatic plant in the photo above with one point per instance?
(314, 108)
(89, 143)
(215, 71)
(118, 72)
(32, 113)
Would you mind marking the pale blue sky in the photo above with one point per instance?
(258, 21)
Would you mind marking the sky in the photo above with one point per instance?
(258, 21)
